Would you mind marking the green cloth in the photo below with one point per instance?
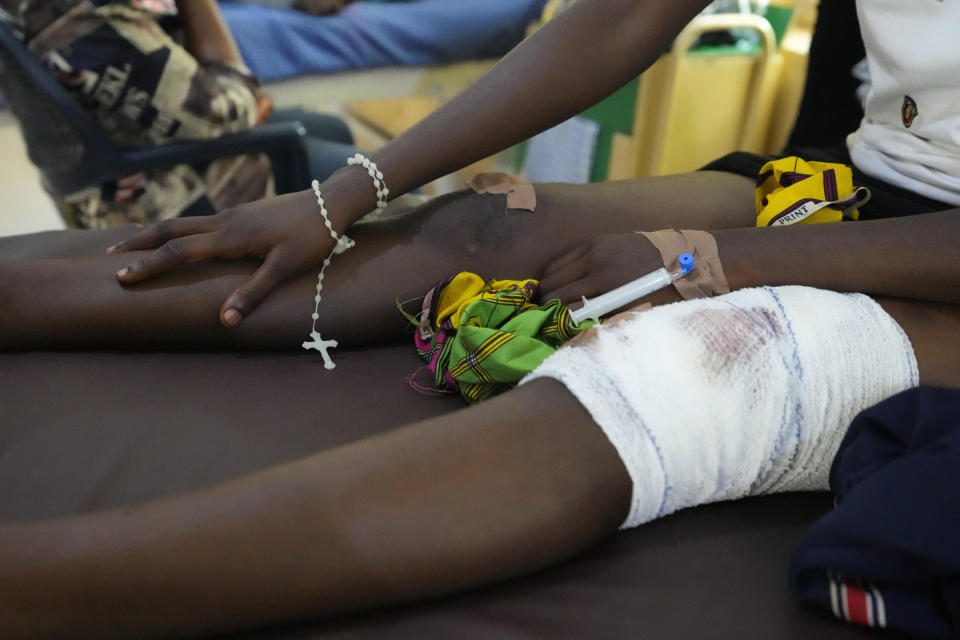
(502, 338)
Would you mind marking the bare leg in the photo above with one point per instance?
(933, 331)
(490, 492)
(82, 304)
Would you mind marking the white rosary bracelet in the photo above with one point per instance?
(383, 193)
(344, 243)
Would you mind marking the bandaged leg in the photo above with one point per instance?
(744, 394)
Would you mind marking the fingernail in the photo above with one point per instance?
(232, 317)
(111, 248)
(123, 272)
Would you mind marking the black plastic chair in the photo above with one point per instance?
(73, 152)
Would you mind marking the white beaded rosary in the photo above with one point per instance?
(374, 172)
(344, 243)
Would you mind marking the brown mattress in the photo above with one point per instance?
(83, 431)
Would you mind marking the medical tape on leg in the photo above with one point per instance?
(707, 279)
(744, 394)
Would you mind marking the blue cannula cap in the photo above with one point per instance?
(686, 263)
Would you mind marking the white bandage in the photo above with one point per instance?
(743, 394)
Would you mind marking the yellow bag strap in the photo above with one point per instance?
(792, 190)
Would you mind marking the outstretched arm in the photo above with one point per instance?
(578, 59)
(582, 56)
(912, 258)
(81, 306)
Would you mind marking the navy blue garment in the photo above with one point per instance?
(889, 554)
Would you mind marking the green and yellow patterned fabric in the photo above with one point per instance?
(481, 337)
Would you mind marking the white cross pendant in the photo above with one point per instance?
(319, 344)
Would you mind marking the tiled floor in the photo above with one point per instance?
(26, 208)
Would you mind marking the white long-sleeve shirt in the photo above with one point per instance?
(910, 135)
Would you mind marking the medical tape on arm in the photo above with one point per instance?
(520, 193)
(707, 279)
